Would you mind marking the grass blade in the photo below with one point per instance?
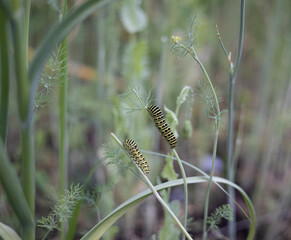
(7, 233)
(97, 231)
(15, 195)
(4, 59)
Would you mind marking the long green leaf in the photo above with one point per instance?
(7, 233)
(4, 69)
(97, 231)
(12, 187)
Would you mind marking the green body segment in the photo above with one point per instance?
(162, 125)
(133, 150)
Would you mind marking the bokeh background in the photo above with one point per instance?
(130, 42)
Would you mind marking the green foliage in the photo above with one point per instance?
(224, 211)
(135, 61)
(186, 95)
(136, 98)
(168, 170)
(132, 16)
(98, 230)
(62, 210)
(51, 78)
(186, 91)
(205, 93)
(132, 66)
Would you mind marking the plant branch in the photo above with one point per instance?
(185, 186)
(63, 59)
(192, 52)
(154, 191)
(240, 40)
(228, 55)
(230, 140)
(210, 182)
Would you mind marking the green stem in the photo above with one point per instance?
(222, 45)
(46, 234)
(241, 37)
(139, 99)
(100, 83)
(4, 69)
(192, 52)
(63, 164)
(23, 95)
(216, 124)
(63, 154)
(28, 165)
(154, 191)
(210, 182)
(185, 186)
(211, 86)
(21, 72)
(26, 37)
(230, 140)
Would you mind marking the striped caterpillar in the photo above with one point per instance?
(162, 125)
(134, 152)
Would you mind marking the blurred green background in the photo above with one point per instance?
(130, 42)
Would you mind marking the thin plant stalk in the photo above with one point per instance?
(185, 187)
(4, 69)
(63, 159)
(230, 140)
(101, 78)
(192, 52)
(210, 181)
(27, 126)
(216, 131)
(229, 161)
(63, 92)
(18, 31)
(154, 191)
(217, 117)
(27, 18)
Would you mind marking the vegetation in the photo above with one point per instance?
(211, 161)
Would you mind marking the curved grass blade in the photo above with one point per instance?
(7, 233)
(14, 192)
(97, 231)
